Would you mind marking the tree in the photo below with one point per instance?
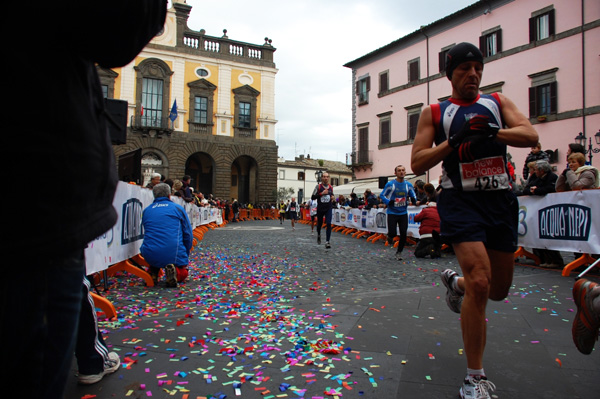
(283, 193)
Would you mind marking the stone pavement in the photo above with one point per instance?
(268, 313)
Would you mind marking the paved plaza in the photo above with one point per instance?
(268, 313)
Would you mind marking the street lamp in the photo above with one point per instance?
(581, 139)
(318, 175)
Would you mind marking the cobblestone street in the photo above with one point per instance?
(268, 313)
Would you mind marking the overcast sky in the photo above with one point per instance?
(314, 39)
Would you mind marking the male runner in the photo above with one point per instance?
(395, 196)
(324, 193)
(477, 208)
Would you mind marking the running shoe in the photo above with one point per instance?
(586, 322)
(319, 239)
(398, 256)
(453, 298)
(476, 387)
(112, 364)
(171, 276)
(327, 245)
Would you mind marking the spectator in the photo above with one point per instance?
(545, 184)
(420, 193)
(187, 189)
(430, 192)
(575, 147)
(235, 207)
(429, 232)
(370, 199)
(40, 301)
(536, 154)
(94, 360)
(353, 200)
(154, 180)
(168, 237)
(531, 180)
(546, 179)
(578, 176)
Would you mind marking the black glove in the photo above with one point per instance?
(479, 127)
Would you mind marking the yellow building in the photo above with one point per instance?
(202, 106)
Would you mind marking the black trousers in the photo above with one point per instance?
(395, 224)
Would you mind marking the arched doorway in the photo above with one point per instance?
(200, 166)
(244, 180)
(152, 162)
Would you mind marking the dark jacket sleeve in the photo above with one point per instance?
(113, 32)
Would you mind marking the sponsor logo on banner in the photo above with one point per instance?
(381, 220)
(131, 221)
(565, 222)
(342, 216)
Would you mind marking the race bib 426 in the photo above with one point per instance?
(484, 174)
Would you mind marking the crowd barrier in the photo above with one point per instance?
(565, 221)
(558, 221)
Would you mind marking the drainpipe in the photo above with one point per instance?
(583, 64)
(427, 76)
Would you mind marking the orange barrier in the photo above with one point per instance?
(521, 252)
(583, 260)
(135, 266)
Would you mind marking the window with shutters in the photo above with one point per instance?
(442, 58)
(543, 94)
(363, 144)
(412, 119)
(385, 128)
(363, 86)
(490, 42)
(413, 70)
(542, 24)
(384, 84)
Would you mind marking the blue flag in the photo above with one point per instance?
(173, 114)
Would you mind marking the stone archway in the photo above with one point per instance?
(244, 180)
(201, 167)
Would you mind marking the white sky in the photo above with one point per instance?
(314, 39)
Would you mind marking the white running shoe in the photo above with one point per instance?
(453, 297)
(476, 387)
(112, 364)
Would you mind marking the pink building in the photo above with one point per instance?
(544, 55)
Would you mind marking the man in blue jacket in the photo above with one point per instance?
(168, 237)
(395, 196)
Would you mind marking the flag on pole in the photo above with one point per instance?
(173, 114)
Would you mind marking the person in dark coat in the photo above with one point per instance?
(59, 116)
(536, 154)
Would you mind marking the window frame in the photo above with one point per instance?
(385, 119)
(544, 86)
(156, 69)
(384, 81)
(202, 88)
(534, 25)
(414, 70)
(363, 86)
(245, 95)
(484, 44)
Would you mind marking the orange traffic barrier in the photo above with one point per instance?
(583, 260)
(105, 305)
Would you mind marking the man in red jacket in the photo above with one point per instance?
(429, 232)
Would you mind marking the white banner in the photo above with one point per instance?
(373, 220)
(559, 221)
(125, 238)
(566, 221)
